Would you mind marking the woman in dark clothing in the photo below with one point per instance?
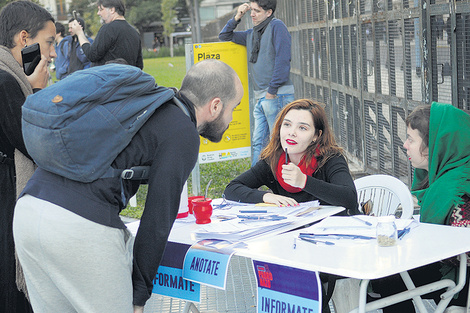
(302, 162)
(22, 23)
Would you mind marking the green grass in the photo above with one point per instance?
(168, 72)
(221, 173)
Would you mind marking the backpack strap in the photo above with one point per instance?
(180, 105)
(133, 173)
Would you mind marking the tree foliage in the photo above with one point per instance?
(141, 13)
(168, 14)
(5, 2)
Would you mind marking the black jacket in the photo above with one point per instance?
(332, 184)
(114, 40)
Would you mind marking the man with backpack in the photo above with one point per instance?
(71, 52)
(76, 252)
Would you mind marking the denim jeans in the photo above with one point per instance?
(264, 115)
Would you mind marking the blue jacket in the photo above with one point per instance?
(62, 61)
(271, 72)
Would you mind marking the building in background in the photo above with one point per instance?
(58, 9)
(213, 9)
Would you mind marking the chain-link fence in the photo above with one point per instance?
(373, 61)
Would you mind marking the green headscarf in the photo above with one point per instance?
(449, 164)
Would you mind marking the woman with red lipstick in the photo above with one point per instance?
(313, 168)
(438, 147)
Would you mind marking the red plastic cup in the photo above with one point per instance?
(202, 210)
(190, 202)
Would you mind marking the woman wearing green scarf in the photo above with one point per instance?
(445, 184)
(438, 147)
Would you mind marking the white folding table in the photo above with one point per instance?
(365, 260)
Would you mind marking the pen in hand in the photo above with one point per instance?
(287, 157)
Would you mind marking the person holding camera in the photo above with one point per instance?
(71, 53)
(116, 39)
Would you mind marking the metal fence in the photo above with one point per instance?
(371, 62)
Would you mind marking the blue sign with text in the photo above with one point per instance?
(169, 280)
(287, 289)
(207, 263)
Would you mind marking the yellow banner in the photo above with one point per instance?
(236, 141)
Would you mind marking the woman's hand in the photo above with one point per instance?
(278, 200)
(40, 76)
(293, 176)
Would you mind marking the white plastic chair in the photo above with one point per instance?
(387, 195)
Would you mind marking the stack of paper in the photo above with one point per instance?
(239, 222)
(348, 225)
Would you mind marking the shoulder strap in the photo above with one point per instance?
(181, 105)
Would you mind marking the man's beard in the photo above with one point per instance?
(214, 130)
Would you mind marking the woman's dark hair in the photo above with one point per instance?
(118, 5)
(22, 15)
(323, 148)
(419, 120)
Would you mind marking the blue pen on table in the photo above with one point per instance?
(262, 218)
(315, 241)
(403, 232)
(335, 236)
(360, 219)
(253, 211)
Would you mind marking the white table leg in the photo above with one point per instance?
(190, 307)
(363, 295)
(410, 285)
(405, 295)
(446, 297)
(415, 293)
